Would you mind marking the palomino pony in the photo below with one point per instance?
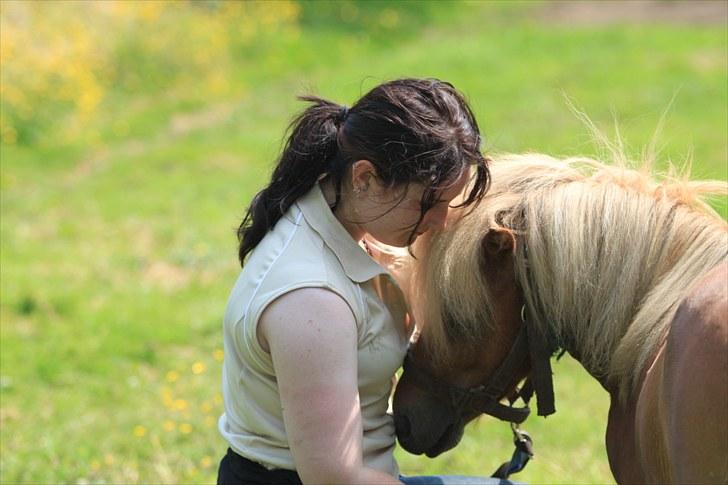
(626, 274)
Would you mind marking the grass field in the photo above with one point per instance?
(134, 134)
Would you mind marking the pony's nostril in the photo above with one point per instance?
(402, 427)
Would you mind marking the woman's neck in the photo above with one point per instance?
(343, 210)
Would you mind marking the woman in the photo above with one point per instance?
(315, 328)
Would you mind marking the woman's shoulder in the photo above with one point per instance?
(318, 303)
(305, 312)
(290, 258)
(291, 248)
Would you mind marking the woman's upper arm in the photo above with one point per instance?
(312, 337)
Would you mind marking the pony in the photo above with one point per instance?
(626, 272)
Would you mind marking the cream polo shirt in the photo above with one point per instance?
(308, 247)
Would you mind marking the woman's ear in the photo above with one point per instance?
(363, 173)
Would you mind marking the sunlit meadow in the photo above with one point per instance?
(133, 134)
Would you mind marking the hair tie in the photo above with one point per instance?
(343, 113)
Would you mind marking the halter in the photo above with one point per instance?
(486, 398)
(483, 398)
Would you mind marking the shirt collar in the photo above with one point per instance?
(357, 264)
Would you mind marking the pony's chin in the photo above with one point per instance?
(449, 439)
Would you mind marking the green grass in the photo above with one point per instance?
(118, 248)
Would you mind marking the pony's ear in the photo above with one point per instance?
(498, 242)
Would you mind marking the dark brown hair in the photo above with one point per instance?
(411, 130)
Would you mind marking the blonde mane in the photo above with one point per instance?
(604, 256)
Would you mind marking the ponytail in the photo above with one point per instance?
(311, 150)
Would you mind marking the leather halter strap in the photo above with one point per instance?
(541, 376)
(486, 398)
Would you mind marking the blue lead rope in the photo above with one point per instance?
(521, 455)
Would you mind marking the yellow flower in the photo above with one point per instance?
(210, 421)
(180, 404)
(206, 462)
(198, 368)
(169, 425)
(167, 397)
(172, 376)
(185, 428)
(218, 399)
(139, 431)
(95, 465)
(218, 355)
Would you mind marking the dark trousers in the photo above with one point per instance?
(237, 470)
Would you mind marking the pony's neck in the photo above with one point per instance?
(608, 300)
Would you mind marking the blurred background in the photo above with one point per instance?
(133, 135)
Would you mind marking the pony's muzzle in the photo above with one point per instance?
(403, 428)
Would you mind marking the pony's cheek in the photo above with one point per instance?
(471, 373)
